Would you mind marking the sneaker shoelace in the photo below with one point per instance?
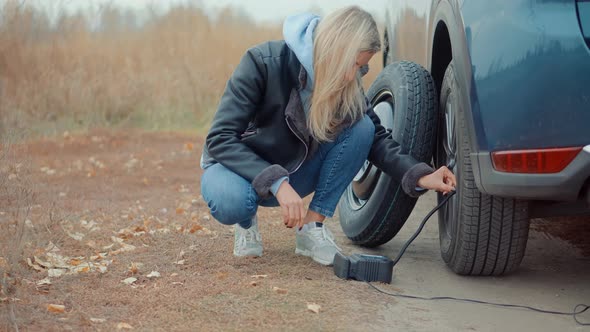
(248, 235)
(325, 235)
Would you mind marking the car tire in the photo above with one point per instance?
(479, 234)
(374, 207)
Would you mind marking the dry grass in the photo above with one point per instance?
(169, 71)
(16, 201)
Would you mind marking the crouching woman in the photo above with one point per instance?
(293, 121)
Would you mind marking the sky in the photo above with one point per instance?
(265, 10)
(260, 10)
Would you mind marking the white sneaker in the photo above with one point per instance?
(248, 242)
(316, 241)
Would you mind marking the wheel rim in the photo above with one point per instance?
(449, 211)
(366, 179)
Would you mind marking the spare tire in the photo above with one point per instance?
(374, 207)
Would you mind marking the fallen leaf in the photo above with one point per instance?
(313, 307)
(75, 262)
(164, 230)
(124, 247)
(259, 276)
(88, 224)
(222, 275)
(56, 308)
(54, 273)
(76, 236)
(43, 282)
(129, 280)
(97, 320)
(195, 228)
(34, 266)
(188, 146)
(51, 247)
(43, 263)
(180, 262)
(280, 290)
(116, 240)
(58, 261)
(83, 269)
(174, 274)
(122, 325)
(108, 247)
(179, 211)
(134, 267)
(204, 231)
(154, 274)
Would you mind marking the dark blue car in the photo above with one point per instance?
(499, 91)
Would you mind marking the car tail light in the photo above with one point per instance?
(534, 161)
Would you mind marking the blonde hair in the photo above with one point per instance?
(339, 38)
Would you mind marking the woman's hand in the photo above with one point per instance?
(442, 180)
(291, 204)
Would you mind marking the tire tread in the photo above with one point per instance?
(492, 231)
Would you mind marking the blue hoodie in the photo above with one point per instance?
(298, 31)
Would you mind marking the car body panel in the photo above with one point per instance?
(524, 71)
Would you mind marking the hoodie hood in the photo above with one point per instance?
(298, 34)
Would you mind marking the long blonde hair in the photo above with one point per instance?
(339, 38)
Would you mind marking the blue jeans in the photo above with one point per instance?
(232, 199)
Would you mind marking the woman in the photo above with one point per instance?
(293, 120)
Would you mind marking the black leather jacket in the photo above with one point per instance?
(259, 130)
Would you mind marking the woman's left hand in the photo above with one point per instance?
(442, 180)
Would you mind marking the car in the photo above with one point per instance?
(498, 91)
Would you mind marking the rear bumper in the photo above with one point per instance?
(562, 186)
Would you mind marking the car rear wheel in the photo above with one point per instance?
(479, 234)
(374, 207)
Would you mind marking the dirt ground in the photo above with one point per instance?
(107, 231)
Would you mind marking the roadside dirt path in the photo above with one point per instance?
(108, 209)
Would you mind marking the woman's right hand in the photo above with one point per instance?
(291, 204)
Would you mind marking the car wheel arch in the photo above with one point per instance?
(449, 41)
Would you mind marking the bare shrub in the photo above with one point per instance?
(71, 74)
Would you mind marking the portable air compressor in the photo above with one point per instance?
(363, 267)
